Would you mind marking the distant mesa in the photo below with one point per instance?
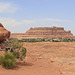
(4, 34)
(48, 32)
(44, 32)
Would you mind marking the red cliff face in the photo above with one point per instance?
(48, 32)
(44, 32)
(3, 33)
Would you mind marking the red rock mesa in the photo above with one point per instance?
(44, 32)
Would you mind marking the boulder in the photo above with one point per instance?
(4, 33)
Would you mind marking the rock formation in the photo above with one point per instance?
(44, 32)
(48, 32)
(3, 33)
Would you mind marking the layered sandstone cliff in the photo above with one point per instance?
(4, 34)
(48, 32)
(43, 32)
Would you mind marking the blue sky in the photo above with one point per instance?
(19, 15)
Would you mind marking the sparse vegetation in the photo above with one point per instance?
(20, 54)
(7, 60)
(14, 52)
(46, 40)
(52, 61)
(18, 50)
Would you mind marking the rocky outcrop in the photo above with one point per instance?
(4, 34)
(44, 32)
(48, 32)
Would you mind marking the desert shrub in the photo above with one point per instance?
(20, 54)
(17, 46)
(66, 40)
(24, 51)
(18, 50)
(0, 60)
(52, 61)
(45, 40)
(56, 40)
(16, 54)
(14, 40)
(32, 40)
(7, 60)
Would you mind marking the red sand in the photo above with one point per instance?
(39, 57)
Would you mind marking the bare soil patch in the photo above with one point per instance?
(45, 58)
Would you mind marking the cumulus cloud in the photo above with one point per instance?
(7, 8)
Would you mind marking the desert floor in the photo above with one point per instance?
(45, 58)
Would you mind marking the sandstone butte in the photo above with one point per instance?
(44, 32)
(4, 34)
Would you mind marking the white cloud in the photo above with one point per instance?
(9, 22)
(55, 20)
(7, 8)
(28, 22)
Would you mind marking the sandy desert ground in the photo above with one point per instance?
(45, 58)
